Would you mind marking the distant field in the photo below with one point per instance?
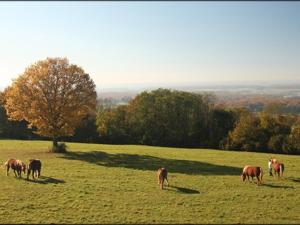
(117, 184)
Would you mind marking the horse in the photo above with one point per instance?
(278, 168)
(273, 161)
(162, 175)
(34, 166)
(16, 165)
(252, 171)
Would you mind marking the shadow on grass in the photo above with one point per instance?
(294, 179)
(277, 186)
(46, 180)
(145, 162)
(185, 190)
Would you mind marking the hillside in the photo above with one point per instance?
(95, 183)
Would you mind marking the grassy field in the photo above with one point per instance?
(117, 184)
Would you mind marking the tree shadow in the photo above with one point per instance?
(146, 162)
(277, 186)
(46, 180)
(185, 190)
(294, 179)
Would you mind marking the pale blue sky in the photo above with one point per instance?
(127, 43)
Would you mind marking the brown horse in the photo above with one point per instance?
(162, 175)
(278, 168)
(34, 166)
(273, 161)
(16, 165)
(252, 171)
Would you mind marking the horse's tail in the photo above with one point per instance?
(261, 174)
(281, 168)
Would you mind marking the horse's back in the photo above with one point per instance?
(10, 161)
(162, 172)
(245, 168)
(277, 166)
(35, 164)
(252, 170)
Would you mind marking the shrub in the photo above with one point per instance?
(59, 148)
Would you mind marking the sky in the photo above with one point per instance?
(128, 44)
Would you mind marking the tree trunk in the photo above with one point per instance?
(54, 144)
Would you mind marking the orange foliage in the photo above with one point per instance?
(51, 95)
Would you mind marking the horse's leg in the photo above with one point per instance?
(251, 179)
(258, 180)
(28, 173)
(15, 173)
(33, 171)
(162, 183)
(39, 173)
(7, 169)
(167, 181)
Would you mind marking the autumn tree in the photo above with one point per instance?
(248, 134)
(53, 96)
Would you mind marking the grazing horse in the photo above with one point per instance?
(34, 166)
(278, 168)
(271, 162)
(162, 175)
(252, 171)
(16, 165)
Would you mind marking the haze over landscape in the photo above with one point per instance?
(139, 45)
(116, 99)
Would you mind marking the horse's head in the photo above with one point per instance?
(243, 176)
(23, 167)
(274, 161)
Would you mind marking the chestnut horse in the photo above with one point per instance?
(274, 161)
(16, 165)
(252, 171)
(34, 166)
(278, 168)
(162, 175)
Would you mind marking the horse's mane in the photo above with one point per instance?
(19, 162)
(244, 170)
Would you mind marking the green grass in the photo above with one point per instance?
(117, 184)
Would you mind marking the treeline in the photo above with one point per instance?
(182, 119)
(166, 117)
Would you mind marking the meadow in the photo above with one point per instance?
(95, 183)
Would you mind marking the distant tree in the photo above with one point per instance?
(277, 128)
(277, 142)
(221, 122)
(53, 96)
(86, 131)
(248, 135)
(274, 108)
(3, 117)
(13, 129)
(293, 145)
(112, 125)
(169, 118)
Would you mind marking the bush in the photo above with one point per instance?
(59, 148)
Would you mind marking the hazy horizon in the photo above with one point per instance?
(142, 44)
